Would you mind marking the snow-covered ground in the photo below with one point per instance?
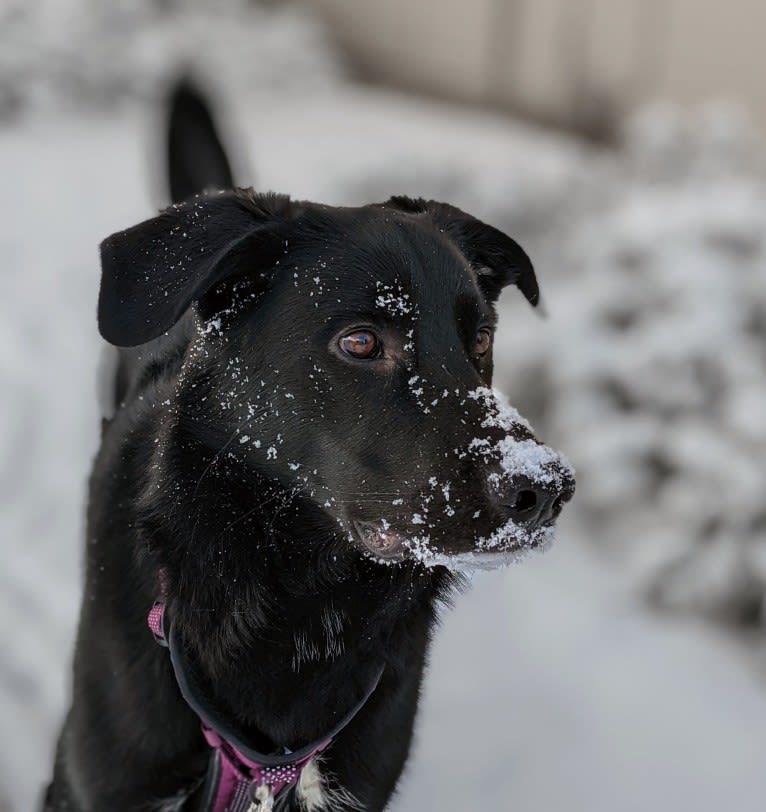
(554, 685)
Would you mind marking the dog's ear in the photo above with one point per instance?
(196, 158)
(152, 272)
(497, 259)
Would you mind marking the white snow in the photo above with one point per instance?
(392, 300)
(530, 459)
(500, 413)
(552, 688)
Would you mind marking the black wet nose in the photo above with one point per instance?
(534, 504)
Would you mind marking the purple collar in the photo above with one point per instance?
(239, 779)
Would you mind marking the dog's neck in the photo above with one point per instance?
(286, 622)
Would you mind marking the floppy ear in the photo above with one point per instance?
(497, 259)
(151, 273)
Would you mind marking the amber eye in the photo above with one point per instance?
(483, 341)
(360, 344)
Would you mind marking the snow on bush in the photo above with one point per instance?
(75, 51)
(655, 367)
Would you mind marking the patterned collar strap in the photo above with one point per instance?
(240, 779)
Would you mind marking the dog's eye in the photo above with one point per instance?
(360, 344)
(483, 341)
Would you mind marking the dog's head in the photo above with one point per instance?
(346, 354)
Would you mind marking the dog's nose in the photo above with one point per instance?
(534, 504)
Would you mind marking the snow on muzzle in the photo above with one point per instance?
(524, 485)
(529, 481)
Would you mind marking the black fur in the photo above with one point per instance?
(196, 158)
(243, 448)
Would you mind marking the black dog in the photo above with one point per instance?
(304, 451)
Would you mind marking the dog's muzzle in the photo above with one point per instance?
(534, 504)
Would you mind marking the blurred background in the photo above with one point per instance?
(622, 142)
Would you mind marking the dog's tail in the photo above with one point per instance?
(196, 158)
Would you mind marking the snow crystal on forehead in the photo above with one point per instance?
(500, 413)
(393, 299)
(211, 327)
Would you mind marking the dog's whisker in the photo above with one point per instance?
(368, 494)
(363, 502)
(217, 455)
(288, 498)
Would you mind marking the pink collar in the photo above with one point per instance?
(239, 779)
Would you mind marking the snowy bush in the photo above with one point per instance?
(655, 368)
(78, 52)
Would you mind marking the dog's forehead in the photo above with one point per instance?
(384, 261)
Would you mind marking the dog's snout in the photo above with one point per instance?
(534, 504)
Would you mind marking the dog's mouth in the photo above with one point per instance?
(500, 501)
(378, 540)
(508, 544)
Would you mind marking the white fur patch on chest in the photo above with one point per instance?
(315, 795)
(310, 789)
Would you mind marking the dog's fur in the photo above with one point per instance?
(242, 454)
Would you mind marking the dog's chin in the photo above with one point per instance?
(506, 546)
